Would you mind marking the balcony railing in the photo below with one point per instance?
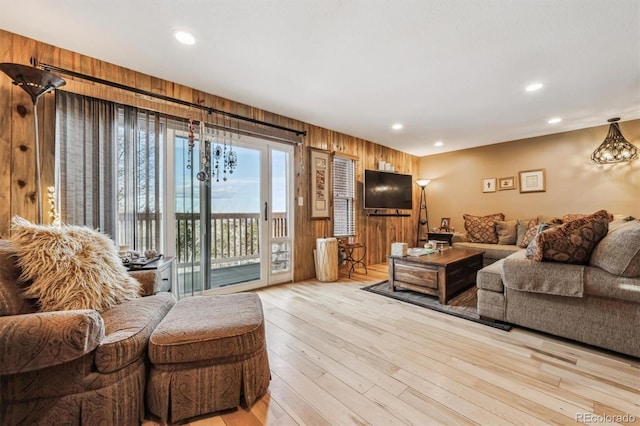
(235, 236)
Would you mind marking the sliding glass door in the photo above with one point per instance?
(233, 228)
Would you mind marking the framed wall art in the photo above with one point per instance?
(507, 183)
(489, 185)
(532, 181)
(320, 183)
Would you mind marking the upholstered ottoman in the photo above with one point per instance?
(208, 354)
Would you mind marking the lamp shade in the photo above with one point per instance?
(615, 148)
(34, 81)
(423, 182)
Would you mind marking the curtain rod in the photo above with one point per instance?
(210, 110)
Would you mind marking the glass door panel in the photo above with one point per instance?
(238, 229)
(280, 229)
(235, 220)
(187, 215)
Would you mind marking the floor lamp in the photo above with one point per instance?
(422, 220)
(35, 82)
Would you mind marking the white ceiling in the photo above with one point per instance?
(449, 70)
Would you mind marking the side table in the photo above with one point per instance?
(353, 261)
(441, 236)
(163, 266)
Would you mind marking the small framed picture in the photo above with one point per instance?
(320, 183)
(507, 183)
(532, 181)
(489, 185)
(445, 223)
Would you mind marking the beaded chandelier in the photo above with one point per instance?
(615, 148)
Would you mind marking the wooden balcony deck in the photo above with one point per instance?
(220, 277)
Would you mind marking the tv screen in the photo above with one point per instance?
(387, 190)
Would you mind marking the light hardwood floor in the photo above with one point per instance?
(342, 356)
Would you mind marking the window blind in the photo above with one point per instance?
(85, 161)
(109, 169)
(344, 194)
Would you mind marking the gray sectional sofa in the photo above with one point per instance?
(597, 303)
(509, 237)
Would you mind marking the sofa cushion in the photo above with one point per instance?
(128, 328)
(12, 300)
(506, 230)
(522, 274)
(490, 277)
(598, 282)
(549, 219)
(619, 251)
(45, 339)
(526, 231)
(573, 216)
(70, 267)
(147, 279)
(491, 251)
(572, 242)
(221, 328)
(482, 229)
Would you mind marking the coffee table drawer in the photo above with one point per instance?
(420, 276)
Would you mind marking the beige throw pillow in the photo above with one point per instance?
(70, 267)
(506, 230)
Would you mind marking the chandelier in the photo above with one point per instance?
(217, 157)
(615, 148)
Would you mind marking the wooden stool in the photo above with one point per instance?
(208, 354)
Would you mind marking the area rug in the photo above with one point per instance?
(463, 305)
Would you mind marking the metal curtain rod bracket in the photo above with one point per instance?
(210, 110)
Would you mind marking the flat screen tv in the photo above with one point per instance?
(387, 190)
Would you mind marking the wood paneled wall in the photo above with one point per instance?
(17, 177)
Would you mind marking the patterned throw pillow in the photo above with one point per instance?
(531, 248)
(572, 242)
(482, 229)
(530, 231)
(573, 216)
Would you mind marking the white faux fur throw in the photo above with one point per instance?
(70, 267)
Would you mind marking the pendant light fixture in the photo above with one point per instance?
(35, 82)
(615, 148)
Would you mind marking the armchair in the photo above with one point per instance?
(76, 366)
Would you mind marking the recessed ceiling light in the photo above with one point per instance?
(438, 143)
(533, 87)
(554, 120)
(397, 126)
(184, 37)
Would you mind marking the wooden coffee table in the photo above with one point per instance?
(441, 274)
